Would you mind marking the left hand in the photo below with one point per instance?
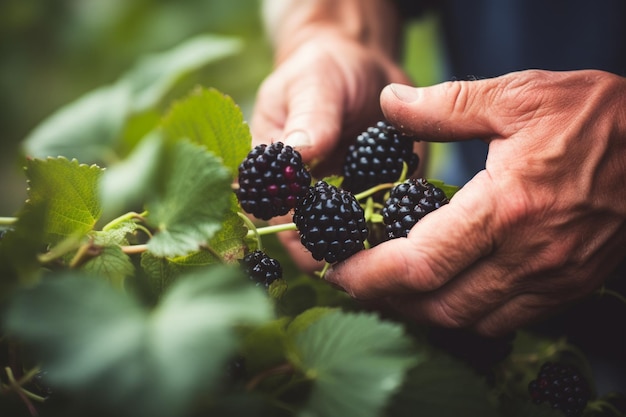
(541, 226)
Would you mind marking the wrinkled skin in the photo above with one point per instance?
(540, 227)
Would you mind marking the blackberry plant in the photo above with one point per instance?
(138, 313)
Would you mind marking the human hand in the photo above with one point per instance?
(323, 94)
(543, 225)
(319, 98)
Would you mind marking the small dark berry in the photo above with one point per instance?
(331, 223)
(377, 157)
(408, 203)
(271, 180)
(261, 269)
(562, 386)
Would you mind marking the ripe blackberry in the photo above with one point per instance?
(408, 203)
(562, 386)
(377, 156)
(271, 180)
(331, 223)
(261, 269)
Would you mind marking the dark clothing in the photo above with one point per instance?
(487, 38)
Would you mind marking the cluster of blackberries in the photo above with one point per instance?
(261, 268)
(273, 181)
(562, 386)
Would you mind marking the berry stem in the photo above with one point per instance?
(268, 230)
(7, 221)
(252, 229)
(128, 216)
(134, 249)
(604, 291)
(385, 186)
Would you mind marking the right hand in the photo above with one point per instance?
(318, 99)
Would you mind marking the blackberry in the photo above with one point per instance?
(261, 268)
(408, 203)
(377, 156)
(271, 180)
(331, 223)
(562, 386)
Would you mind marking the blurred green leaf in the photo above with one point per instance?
(96, 120)
(191, 203)
(212, 119)
(356, 362)
(83, 129)
(69, 190)
(442, 387)
(128, 183)
(102, 347)
(20, 246)
(154, 75)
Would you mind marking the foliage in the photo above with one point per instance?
(122, 293)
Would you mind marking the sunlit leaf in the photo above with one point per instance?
(112, 265)
(69, 190)
(212, 119)
(99, 344)
(191, 203)
(356, 362)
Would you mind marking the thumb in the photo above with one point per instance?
(454, 110)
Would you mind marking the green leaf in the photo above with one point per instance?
(442, 387)
(189, 207)
(90, 127)
(356, 362)
(111, 264)
(84, 129)
(19, 248)
(154, 75)
(117, 234)
(69, 190)
(128, 183)
(212, 119)
(229, 242)
(107, 353)
(264, 346)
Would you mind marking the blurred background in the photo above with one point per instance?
(54, 51)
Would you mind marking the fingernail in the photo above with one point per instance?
(298, 139)
(405, 93)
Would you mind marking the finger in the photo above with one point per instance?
(464, 300)
(438, 248)
(520, 311)
(454, 110)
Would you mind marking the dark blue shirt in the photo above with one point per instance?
(487, 38)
